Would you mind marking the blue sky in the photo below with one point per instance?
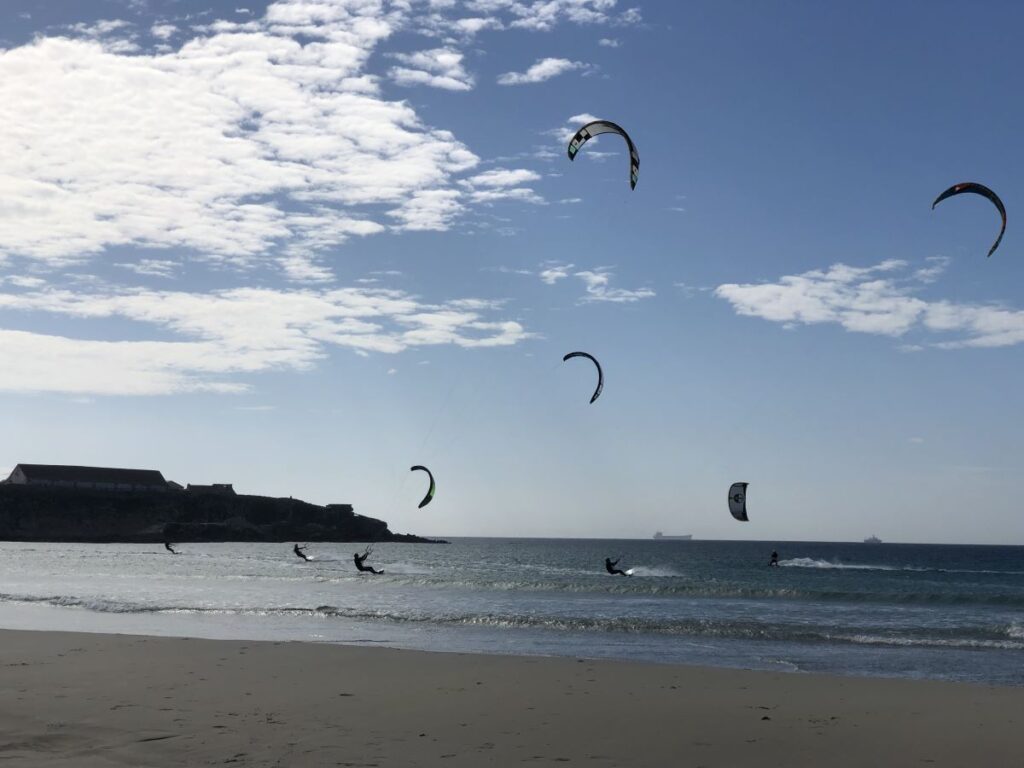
(300, 246)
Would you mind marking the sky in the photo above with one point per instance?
(300, 246)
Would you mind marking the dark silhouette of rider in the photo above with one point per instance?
(775, 558)
(359, 561)
(609, 565)
(300, 551)
(169, 548)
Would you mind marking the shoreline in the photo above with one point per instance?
(102, 699)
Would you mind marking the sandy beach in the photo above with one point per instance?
(119, 700)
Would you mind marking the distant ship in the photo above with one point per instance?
(684, 537)
(872, 540)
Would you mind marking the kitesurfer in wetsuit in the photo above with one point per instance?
(775, 559)
(359, 561)
(169, 548)
(299, 551)
(609, 565)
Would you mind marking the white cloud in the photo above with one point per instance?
(543, 15)
(686, 291)
(116, 36)
(598, 285)
(438, 68)
(872, 300)
(303, 268)
(152, 267)
(502, 184)
(931, 273)
(163, 31)
(503, 177)
(916, 440)
(23, 281)
(431, 209)
(543, 69)
(220, 336)
(609, 42)
(555, 272)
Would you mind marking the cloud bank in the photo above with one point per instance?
(879, 299)
(219, 336)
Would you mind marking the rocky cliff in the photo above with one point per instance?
(63, 514)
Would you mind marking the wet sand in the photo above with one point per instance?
(87, 700)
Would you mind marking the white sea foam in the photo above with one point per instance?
(662, 571)
(810, 562)
(932, 642)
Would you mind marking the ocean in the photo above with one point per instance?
(894, 610)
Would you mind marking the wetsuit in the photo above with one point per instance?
(775, 559)
(359, 562)
(609, 566)
(298, 551)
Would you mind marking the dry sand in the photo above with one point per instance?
(87, 700)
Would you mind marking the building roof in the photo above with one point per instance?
(62, 473)
(214, 488)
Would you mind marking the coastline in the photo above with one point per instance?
(102, 700)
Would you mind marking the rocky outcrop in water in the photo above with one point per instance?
(30, 513)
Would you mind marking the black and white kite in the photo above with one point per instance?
(596, 128)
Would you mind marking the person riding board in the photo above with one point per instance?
(300, 551)
(775, 559)
(169, 548)
(609, 565)
(359, 559)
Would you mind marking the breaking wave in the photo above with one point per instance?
(1010, 637)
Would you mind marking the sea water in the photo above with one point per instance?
(950, 612)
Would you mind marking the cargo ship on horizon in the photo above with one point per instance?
(684, 537)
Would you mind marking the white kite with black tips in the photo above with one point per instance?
(596, 128)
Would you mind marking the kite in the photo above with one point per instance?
(978, 189)
(600, 373)
(738, 501)
(430, 492)
(596, 128)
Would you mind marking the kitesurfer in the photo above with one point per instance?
(359, 561)
(300, 551)
(775, 559)
(169, 548)
(609, 565)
